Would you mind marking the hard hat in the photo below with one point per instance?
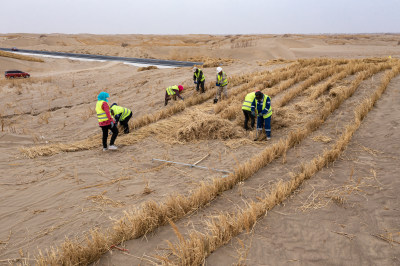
(180, 87)
(219, 69)
(194, 69)
(113, 105)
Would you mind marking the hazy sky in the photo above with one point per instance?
(199, 16)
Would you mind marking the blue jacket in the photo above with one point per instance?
(260, 105)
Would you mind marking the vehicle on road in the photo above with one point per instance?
(10, 74)
(14, 49)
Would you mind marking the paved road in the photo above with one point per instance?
(146, 61)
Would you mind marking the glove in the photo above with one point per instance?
(112, 124)
(182, 98)
(260, 114)
(253, 113)
(195, 82)
(217, 84)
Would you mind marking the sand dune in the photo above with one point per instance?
(344, 214)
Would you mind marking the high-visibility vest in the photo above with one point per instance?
(197, 73)
(248, 100)
(101, 114)
(221, 82)
(125, 112)
(171, 90)
(269, 113)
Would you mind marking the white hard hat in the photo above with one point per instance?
(194, 69)
(219, 69)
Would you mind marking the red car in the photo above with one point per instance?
(16, 74)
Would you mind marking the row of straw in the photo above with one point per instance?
(152, 215)
(223, 228)
(92, 142)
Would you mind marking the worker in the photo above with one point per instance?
(246, 107)
(261, 107)
(106, 122)
(172, 92)
(121, 115)
(199, 79)
(222, 82)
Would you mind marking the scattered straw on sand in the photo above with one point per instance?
(321, 138)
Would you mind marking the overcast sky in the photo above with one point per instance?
(199, 16)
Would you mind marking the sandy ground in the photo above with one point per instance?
(45, 199)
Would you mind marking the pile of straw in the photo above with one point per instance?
(210, 127)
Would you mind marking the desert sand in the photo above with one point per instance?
(56, 183)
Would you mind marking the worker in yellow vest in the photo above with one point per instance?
(222, 82)
(262, 108)
(199, 79)
(172, 92)
(106, 122)
(246, 107)
(121, 115)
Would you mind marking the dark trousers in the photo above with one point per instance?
(264, 122)
(202, 86)
(124, 123)
(247, 116)
(105, 135)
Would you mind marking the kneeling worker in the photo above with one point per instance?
(106, 122)
(121, 115)
(172, 92)
(262, 107)
(246, 107)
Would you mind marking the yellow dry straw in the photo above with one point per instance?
(298, 72)
(309, 75)
(351, 68)
(47, 150)
(266, 80)
(20, 57)
(152, 215)
(223, 228)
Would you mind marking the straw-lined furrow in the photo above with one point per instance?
(152, 215)
(308, 75)
(352, 68)
(289, 76)
(223, 228)
(317, 77)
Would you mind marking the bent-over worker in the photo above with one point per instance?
(262, 108)
(106, 122)
(199, 79)
(246, 107)
(172, 92)
(121, 115)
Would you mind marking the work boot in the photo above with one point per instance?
(105, 149)
(113, 147)
(215, 100)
